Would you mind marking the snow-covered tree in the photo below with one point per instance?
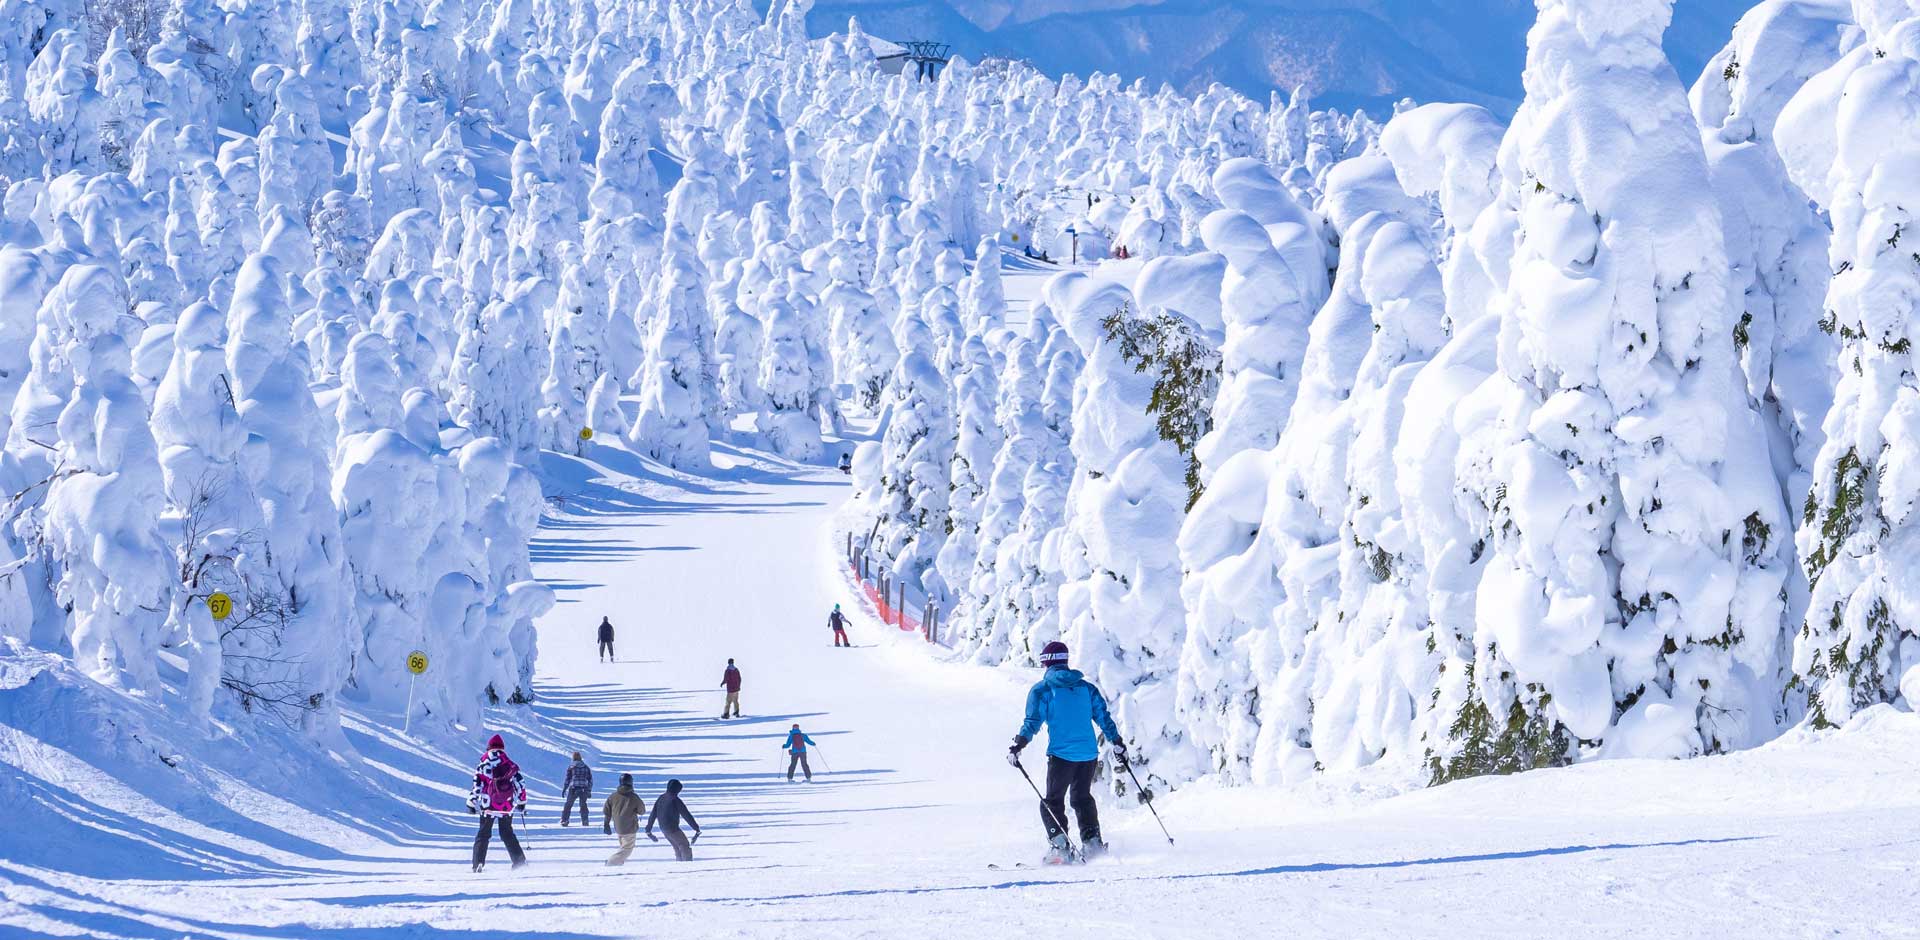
(102, 514)
(1845, 141)
(979, 439)
(295, 629)
(1120, 604)
(791, 426)
(675, 379)
(1632, 590)
(916, 474)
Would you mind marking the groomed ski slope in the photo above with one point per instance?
(1805, 837)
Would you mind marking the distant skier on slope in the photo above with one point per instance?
(621, 816)
(578, 785)
(1070, 707)
(730, 680)
(796, 745)
(606, 640)
(838, 621)
(497, 792)
(667, 810)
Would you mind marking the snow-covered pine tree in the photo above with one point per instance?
(674, 381)
(102, 515)
(1846, 143)
(791, 426)
(916, 474)
(979, 440)
(1632, 592)
(299, 641)
(1139, 408)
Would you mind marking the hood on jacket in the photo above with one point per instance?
(496, 743)
(1061, 677)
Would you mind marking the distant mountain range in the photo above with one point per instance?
(1350, 53)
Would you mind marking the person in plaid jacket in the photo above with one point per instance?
(577, 786)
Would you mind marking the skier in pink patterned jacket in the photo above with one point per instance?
(497, 792)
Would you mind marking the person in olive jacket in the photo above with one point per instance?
(621, 816)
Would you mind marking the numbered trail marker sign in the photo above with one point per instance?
(219, 605)
(416, 662)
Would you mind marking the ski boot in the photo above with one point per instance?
(477, 866)
(1060, 851)
(1092, 848)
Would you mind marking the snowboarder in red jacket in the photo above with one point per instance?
(730, 680)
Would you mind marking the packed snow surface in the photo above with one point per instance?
(897, 838)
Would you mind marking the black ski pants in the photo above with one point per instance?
(1075, 776)
(606, 649)
(798, 758)
(485, 836)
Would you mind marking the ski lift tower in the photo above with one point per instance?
(927, 56)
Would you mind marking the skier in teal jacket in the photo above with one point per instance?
(796, 747)
(1070, 707)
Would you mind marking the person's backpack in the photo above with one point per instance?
(500, 783)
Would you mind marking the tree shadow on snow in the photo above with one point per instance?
(1303, 869)
(97, 916)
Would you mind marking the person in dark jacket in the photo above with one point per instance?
(667, 811)
(1070, 707)
(497, 792)
(796, 745)
(578, 786)
(730, 680)
(621, 817)
(838, 621)
(606, 640)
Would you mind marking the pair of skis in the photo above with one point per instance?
(1077, 855)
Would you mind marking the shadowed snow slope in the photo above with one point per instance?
(120, 825)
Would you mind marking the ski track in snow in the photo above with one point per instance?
(1791, 840)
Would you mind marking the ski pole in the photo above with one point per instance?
(1043, 802)
(823, 758)
(1146, 797)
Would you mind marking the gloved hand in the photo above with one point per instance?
(1120, 752)
(607, 828)
(1013, 753)
(522, 807)
(471, 810)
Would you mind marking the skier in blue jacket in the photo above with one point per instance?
(796, 747)
(1070, 707)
